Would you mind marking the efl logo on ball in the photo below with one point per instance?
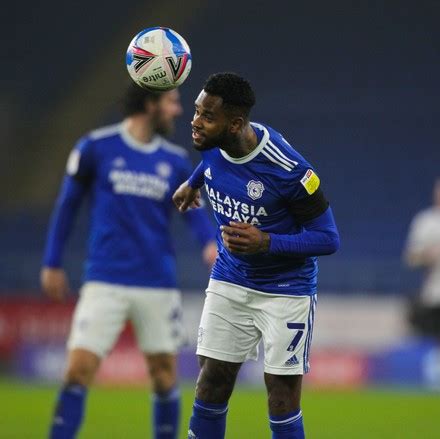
(158, 58)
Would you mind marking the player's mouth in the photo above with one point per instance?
(196, 135)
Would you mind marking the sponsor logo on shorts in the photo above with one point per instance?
(200, 335)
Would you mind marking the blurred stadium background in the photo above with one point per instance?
(353, 85)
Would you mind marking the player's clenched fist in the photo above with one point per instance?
(244, 238)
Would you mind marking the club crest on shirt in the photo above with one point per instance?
(255, 189)
(163, 169)
(119, 162)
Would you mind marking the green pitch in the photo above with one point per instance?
(124, 413)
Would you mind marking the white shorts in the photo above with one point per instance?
(103, 309)
(235, 319)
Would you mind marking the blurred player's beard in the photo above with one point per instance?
(163, 126)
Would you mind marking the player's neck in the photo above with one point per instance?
(243, 145)
(139, 129)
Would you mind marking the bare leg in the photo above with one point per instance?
(284, 393)
(284, 401)
(80, 371)
(166, 405)
(216, 380)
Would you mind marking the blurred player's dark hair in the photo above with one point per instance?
(135, 97)
(236, 92)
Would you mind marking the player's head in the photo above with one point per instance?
(221, 110)
(161, 108)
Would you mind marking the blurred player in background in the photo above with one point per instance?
(423, 251)
(129, 172)
(273, 221)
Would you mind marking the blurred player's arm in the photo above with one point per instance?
(54, 281)
(204, 230)
(188, 196)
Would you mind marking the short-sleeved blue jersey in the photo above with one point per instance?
(259, 189)
(131, 187)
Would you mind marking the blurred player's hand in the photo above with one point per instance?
(54, 283)
(186, 197)
(244, 238)
(427, 256)
(210, 253)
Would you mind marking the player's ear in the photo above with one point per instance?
(150, 106)
(237, 124)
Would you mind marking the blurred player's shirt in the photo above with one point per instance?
(424, 233)
(131, 186)
(259, 189)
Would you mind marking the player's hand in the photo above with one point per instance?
(54, 283)
(186, 197)
(210, 253)
(244, 238)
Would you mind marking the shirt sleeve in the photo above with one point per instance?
(304, 195)
(198, 219)
(201, 225)
(81, 162)
(197, 178)
(76, 183)
(319, 237)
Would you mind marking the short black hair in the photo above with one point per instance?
(135, 98)
(236, 92)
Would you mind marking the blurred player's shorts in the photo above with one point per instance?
(103, 309)
(425, 319)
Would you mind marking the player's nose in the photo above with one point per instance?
(195, 123)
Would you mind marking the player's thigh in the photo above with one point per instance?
(156, 315)
(287, 326)
(216, 380)
(99, 317)
(227, 331)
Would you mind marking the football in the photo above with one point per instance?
(158, 58)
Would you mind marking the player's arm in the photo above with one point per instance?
(197, 219)
(203, 229)
(75, 185)
(187, 194)
(319, 235)
(307, 204)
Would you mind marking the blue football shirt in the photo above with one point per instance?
(130, 186)
(259, 189)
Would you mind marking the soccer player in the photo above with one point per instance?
(273, 221)
(129, 171)
(422, 250)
